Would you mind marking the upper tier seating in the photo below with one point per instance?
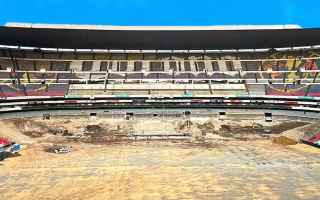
(160, 66)
(181, 62)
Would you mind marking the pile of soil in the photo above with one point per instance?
(100, 133)
(226, 128)
(184, 125)
(283, 140)
(277, 129)
(206, 127)
(296, 134)
(211, 129)
(95, 130)
(31, 128)
(59, 131)
(122, 129)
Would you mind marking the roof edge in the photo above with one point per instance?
(151, 28)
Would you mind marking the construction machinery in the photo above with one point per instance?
(8, 148)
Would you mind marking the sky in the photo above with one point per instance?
(162, 12)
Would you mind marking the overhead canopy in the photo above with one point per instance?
(162, 39)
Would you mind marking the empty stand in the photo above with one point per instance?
(26, 65)
(270, 73)
(33, 90)
(5, 63)
(158, 89)
(123, 66)
(137, 66)
(256, 90)
(156, 67)
(251, 65)
(87, 66)
(43, 65)
(104, 66)
(215, 66)
(173, 65)
(287, 90)
(60, 66)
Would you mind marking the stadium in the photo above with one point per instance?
(126, 68)
(248, 91)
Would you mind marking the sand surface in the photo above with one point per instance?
(158, 170)
(162, 170)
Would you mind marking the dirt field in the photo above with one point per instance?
(164, 170)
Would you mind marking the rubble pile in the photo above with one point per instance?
(213, 128)
(32, 128)
(283, 140)
(196, 129)
(277, 129)
(58, 149)
(305, 134)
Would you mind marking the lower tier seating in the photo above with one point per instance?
(33, 90)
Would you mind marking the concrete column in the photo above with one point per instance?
(114, 66)
(96, 66)
(193, 66)
(146, 66)
(208, 66)
(182, 66)
(237, 65)
(166, 66)
(76, 66)
(222, 65)
(130, 66)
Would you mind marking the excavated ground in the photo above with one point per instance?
(221, 160)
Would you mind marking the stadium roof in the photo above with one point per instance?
(157, 38)
(154, 28)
